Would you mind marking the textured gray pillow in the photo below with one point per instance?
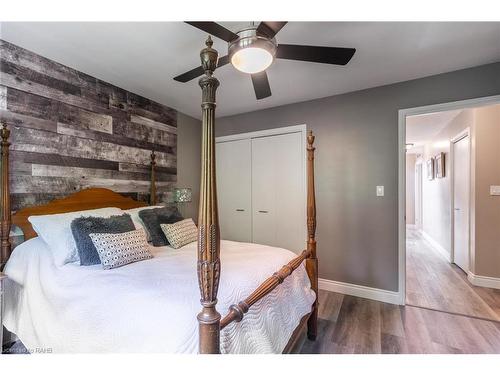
(81, 228)
(156, 216)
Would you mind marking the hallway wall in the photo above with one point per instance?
(484, 124)
(436, 209)
(487, 207)
(410, 188)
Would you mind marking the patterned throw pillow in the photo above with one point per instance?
(81, 227)
(118, 249)
(180, 233)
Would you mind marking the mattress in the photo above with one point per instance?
(149, 306)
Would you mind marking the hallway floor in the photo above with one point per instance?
(432, 282)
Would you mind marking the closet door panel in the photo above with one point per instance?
(263, 191)
(290, 204)
(234, 184)
(278, 193)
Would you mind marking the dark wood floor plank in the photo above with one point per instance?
(391, 320)
(393, 344)
(369, 327)
(330, 305)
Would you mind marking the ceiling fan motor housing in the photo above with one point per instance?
(248, 38)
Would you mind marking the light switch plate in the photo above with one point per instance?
(380, 191)
(494, 190)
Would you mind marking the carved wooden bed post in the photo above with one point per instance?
(312, 260)
(208, 225)
(152, 192)
(5, 220)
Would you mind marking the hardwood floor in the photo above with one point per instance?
(355, 325)
(433, 282)
(444, 314)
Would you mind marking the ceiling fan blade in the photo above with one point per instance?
(189, 75)
(325, 55)
(261, 85)
(196, 72)
(270, 29)
(215, 29)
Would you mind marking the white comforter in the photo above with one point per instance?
(149, 306)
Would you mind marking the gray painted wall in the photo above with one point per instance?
(189, 160)
(357, 149)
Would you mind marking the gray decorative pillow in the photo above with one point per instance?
(118, 249)
(180, 233)
(156, 216)
(81, 227)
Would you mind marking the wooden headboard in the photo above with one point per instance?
(87, 199)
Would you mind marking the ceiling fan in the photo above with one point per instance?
(253, 49)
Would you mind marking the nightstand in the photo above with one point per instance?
(3, 277)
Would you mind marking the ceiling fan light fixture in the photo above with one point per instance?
(252, 60)
(252, 53)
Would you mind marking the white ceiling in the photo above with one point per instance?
(144, 57)
(422, 128)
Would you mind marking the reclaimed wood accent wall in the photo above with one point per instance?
(71, 131)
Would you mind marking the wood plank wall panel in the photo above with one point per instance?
(71, 131)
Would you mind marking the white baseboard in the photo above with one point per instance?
(484, 281)
(381, 295)
(436, 246)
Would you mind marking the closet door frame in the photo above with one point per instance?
(302, 129)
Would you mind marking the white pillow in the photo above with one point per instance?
(139, 224)
(55, 230)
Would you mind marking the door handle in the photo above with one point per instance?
(457, 209)
(240, 209)
(263, 211)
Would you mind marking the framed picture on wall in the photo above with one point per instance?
(439, 161)
(430, 169)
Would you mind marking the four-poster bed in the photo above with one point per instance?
(210, 321)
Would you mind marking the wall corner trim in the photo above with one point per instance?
(437, 246)
(484, 281)
(361, 291)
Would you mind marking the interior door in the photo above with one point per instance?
(234, 184)
(278, 195)
(461, 185)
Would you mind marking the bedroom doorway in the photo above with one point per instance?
(445, 149)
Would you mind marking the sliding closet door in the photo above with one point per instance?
(278, 191)
(234, 184)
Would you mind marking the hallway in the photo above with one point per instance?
(433, 283)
